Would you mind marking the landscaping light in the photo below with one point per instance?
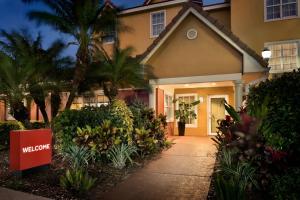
(266, 54)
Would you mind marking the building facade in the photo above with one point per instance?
(202, 52)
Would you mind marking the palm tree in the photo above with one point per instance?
(26, 70)
(121, 70)
(82, 20)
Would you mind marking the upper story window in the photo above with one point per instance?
(158, 23)
(280, 9)
(109, 35)
(285, 56)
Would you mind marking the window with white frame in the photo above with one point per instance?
(284, 56)
(168, 107)
(280, 9)
(188, 98)
(158, 22)
(109, 35)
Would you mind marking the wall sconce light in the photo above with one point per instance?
(266, 54)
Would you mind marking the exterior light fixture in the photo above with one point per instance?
(266, 54)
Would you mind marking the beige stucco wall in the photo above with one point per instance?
(208, 54)
(249, 77)
(202, 129)
(222, 15)
(247, 22)
(138, 33)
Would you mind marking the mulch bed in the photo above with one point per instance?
(46, 182)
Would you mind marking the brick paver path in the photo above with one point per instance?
(182, 172)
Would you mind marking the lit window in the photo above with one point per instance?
(279, 9)
(95, 101)
(284, 57)
(168, 107)
(109, 35)
(188, 99)
(157, 23)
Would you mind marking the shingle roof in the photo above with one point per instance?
(212, 20)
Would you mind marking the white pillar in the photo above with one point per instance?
(152, 98)
(238, 93)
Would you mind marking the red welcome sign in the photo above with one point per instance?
(31, 148)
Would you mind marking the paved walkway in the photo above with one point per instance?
(7, 194)
(182, 172)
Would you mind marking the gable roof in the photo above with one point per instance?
(147, 2)
(217, 27)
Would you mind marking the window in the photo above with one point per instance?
(109, 35)
(188, 98)
(95, 101)
(280, 9)
(168, 107)
(157, 23)
(284, 57)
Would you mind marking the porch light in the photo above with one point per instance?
(266, 54)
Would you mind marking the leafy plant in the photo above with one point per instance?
(185, 110)
(233, 177)
(119, 155)
(77, 181)
(286, 186)
(78, 157)
(282, 109)
(5, 128)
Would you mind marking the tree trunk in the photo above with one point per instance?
(111, 91)
(20, 113)
(55, 103)
(79, 74)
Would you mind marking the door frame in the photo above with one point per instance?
(209, 97)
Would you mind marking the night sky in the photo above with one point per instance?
(13, 16)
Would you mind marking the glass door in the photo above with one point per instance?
(216, 111)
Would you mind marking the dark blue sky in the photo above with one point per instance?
(13, 16)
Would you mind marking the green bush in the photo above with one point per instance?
(38, 125)
(149, 131)
(286, 186)
(280, 96)
(5, 128)
(67, 123)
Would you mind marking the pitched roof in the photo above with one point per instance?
(214, 22)
(147, 2)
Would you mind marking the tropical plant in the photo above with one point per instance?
(119, 155)
(27, 68)
(233, 177)
(185, 110)
(5, 128)
(78, 157)
(282, 109)
(83, 20)
(77, 181)
(119, 71)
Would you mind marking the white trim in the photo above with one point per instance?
(281, 18)
(209, 110)
(151, 26)
(197, 79)
(249, 63)
(217, 6)
(195, 125)
(152, 6)
(167, 93)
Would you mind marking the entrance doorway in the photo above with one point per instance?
(216, 111)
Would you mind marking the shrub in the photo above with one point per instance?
(65, 125)
(119, 155)
(78, 157)
(101, 138)
(77, 181)
(286, 186)
(149, 131)
(37, 125)
(281, 99)
(5, 128)
(68, 122)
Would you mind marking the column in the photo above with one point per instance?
(238, 93)
(152, 97)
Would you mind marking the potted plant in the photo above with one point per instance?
(185, 111)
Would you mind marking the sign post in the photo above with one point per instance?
(30, 149)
